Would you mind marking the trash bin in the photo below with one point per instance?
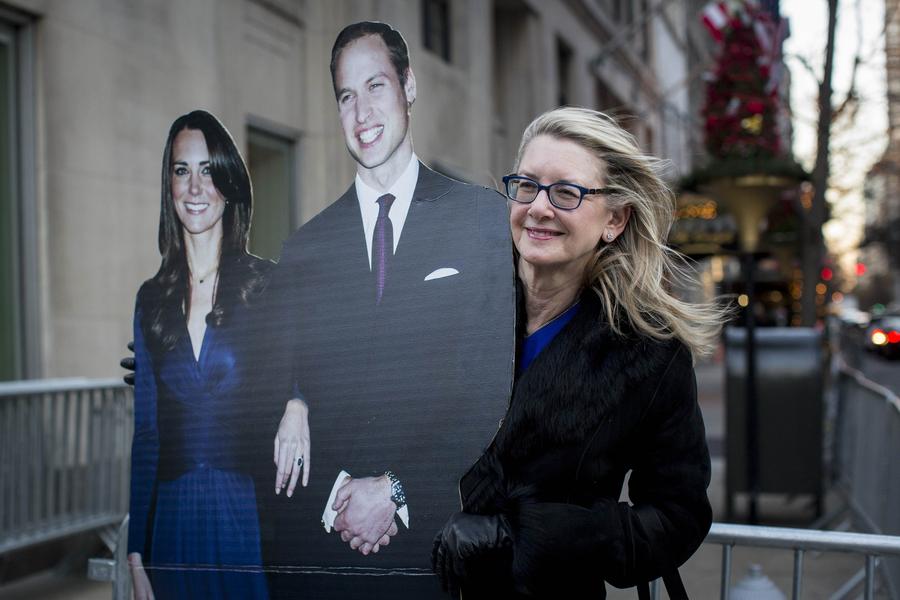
(789, 387)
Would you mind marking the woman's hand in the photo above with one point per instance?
(466, 537)
(139, 580)
(292, 447)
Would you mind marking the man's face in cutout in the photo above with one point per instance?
(373, 105)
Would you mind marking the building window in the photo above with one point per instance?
(564, 73)
(609, 103)
(623, 11)
(19, 353)
(645, 30)
(436, 27)
(270, 159)
(607, 100)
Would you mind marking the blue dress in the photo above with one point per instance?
(193, 504)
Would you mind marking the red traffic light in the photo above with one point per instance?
(827, 274)
(860, 269)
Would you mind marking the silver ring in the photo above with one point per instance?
(300, 462)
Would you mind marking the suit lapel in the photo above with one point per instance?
(349, 234)
(336, 274)
(422, 232)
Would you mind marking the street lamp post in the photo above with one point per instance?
(749, 198)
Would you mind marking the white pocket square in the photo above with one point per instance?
(442, 272)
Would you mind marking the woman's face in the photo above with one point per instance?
(548, 237)
(198, 203)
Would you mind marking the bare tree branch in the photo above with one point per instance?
(851, 96)
(804, 62)
(820, 177)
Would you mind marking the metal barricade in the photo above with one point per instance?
(801, 541)
(66, 444)
(865, 465)
(114, 570)
(65, 447)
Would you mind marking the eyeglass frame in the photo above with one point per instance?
(581, 189)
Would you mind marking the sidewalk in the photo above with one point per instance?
(823, 573)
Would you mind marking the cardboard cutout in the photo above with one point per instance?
(403, 355)
(416, 384)
(194, 524)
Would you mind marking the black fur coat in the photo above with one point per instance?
(591, 407)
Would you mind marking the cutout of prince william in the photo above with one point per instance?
(395, 316)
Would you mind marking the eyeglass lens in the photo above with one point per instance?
(561, 194)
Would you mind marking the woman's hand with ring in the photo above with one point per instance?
(292, 447)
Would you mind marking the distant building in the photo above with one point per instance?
(880, 250)
(88, 90)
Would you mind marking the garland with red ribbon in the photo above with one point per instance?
(742, 104)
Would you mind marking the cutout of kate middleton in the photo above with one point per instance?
(194, 530)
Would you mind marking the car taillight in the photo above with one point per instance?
(894, 336)
(879, 338)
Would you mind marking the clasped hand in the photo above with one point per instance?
(365, 510)
(365, 513)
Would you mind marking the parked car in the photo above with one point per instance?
(883, 336)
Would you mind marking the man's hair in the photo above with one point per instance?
(396, 45)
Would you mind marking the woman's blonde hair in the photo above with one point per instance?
(633, 274)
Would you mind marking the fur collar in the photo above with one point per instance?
(579, 379)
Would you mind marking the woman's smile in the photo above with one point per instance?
(540, 234)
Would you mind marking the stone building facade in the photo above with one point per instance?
(89, 89)
(880, 251)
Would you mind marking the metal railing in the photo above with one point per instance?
(865, 465)
(114, 570)
(801, 541)
(65, 447)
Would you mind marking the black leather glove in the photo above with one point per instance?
(464, 537)
(128, 363)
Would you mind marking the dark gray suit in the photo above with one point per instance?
(416, 384)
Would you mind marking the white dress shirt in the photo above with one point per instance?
(402, 190)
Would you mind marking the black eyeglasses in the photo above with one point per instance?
(564, 196)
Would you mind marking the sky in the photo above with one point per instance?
(856, 145)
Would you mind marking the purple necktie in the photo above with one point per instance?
(382, 245)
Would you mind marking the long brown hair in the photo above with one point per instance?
(238, 278)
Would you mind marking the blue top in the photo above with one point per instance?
(189, 412)
(540, 339)
(145, 444)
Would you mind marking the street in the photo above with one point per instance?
(882, 371)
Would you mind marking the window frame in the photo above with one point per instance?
(18, 30)
(264, 128)
(445, 51)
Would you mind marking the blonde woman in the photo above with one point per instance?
(604, 385)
